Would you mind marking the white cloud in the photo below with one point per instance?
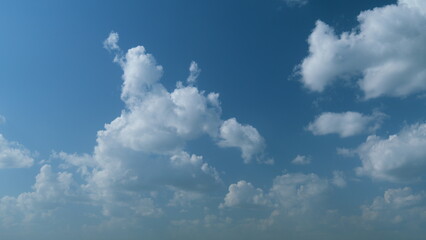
(184, 198)
(338, 179)
(14, 155)
(297, 192)
(194, 72)
(139, 166)
(143, 150)
(345, 124)
(301, 160)
(291, 194)
(50, 190)
(140, 75)
(400, 157)
(111, 42)
(296, 2)
(396, 205)
(243, 194)
(245, 137)
(385, 54)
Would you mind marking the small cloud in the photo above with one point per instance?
(245, 137)
(111, 42)
(345, 124)
(243, 193)
(194, 72)
(2, 119)
(301, 160)
(345, 152)
(296, 3)
(339, 179)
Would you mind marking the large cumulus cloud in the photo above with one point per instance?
(385, 52)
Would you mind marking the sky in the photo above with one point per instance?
(242, 119)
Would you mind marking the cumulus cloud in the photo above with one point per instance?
(143, 150)
(140, 165)
(245, 137)
(297, 192)
(50, 190)
(14, 155)
(301, 160)
(194, 72)
(345, 124)
(396, 206)
(243, 194)
(400, 157)
(385, 52)
(291, 194)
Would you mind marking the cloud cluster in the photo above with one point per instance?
(396, 206)
(400, 157)
(143, 150)
(292, 193)
(140, 164)
(345, 124)
(50, 191)
(385, 52)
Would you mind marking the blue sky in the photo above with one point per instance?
(294, 119)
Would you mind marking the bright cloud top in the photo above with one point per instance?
(242, 194)
(345, 124)
(385, 52)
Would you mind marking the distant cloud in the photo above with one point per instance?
(50, 191)
(301, 160)
(297, 192)
(345, 124)
(292, 193)
(396, 206)
(2, 119)
(296, 2)
(194, 72)
(242, 194)
(14, 155)
(386, 56)
(400, 157)
(111, 43)
(338, 179)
